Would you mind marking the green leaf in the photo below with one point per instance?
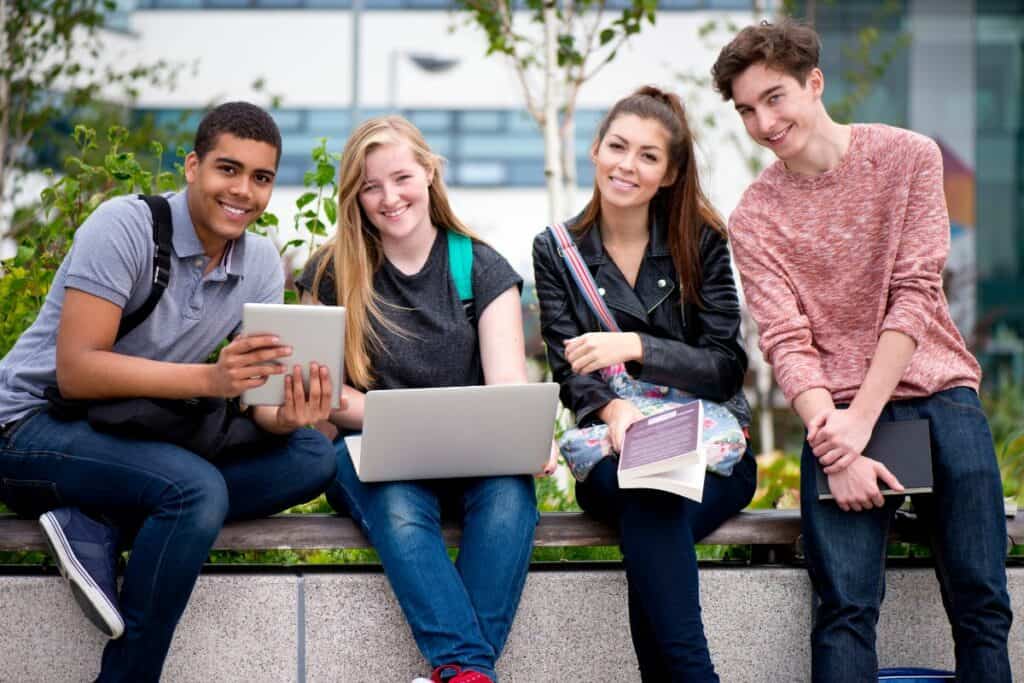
(331, 210)
(25, 254)
(305, 199)
(607, 35)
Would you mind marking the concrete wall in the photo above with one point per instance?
(314, 627)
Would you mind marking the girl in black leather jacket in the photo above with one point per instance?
(657, 250)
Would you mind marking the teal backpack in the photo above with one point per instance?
(460, 263)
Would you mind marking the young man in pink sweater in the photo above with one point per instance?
(840, 245)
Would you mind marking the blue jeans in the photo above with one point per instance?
(462, 613)
(658, 531)
(171, 500)
(965, 521)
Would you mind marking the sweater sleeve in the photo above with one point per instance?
(915, 288)
(785, 331)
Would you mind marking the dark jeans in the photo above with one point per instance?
(173, 501)
(967, 528)
(462, 613)
(658, 531)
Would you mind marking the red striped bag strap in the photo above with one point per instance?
(581, 276)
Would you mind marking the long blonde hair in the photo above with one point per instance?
(354, 251)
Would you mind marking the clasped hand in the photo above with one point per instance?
(596, 350)
(838, 438)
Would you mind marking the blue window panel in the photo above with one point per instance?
(521, 122)
(367, 114)
(426, 4)
(493, 121)
(526, 173)
(439, 143)
(226, 3)
(431, 120)
(289, 120)
(329, 3)
(584, 173)
(499, 146)
(291, 169)
(169, 4)
(272, 4)
(302, 145)
(328, 121)
(480, 173)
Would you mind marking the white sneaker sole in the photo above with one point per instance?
(93, 601)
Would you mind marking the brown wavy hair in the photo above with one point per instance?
(354, 251)
(788, 46)
(681, 207)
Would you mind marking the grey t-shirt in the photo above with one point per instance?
(440, 347)
(112, 258)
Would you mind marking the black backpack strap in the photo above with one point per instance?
(163, 231)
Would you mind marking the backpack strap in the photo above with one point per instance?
(163, 231)
(570, 253)
(460, 263)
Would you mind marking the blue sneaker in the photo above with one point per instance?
(86, 554)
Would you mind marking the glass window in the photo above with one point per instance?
(439, 143)
(329, 3)
(480, 173)
(430, 119)
(289, 120)
(499, 146)
(481, 120)
(328, 121)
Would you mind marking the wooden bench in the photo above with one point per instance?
(774, 534)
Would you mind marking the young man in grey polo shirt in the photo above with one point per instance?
(170, 499)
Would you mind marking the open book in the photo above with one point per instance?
(664, 452)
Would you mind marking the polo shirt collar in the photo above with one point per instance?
(187, 245)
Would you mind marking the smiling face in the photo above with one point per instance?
(395, 192)
(777, 111)
(228, 188)
(631, 161)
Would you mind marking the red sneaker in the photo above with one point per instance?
(453, 673)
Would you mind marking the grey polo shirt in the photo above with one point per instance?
(112, 258)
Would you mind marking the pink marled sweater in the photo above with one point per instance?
(829, 262)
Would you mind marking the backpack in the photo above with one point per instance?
(460, 263)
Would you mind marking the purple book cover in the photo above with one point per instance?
(663, 436)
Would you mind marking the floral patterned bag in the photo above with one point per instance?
(724, 441)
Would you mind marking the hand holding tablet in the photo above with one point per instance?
(316, 334)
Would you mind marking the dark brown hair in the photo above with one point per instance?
(788, 46)
(680, 207)
(241, 119)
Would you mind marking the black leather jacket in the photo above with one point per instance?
(695, 349)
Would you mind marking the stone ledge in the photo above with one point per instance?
(572, 623)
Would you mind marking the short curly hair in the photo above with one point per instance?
(241, 119)
(787, 46)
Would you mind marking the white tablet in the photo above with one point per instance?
(315, 333)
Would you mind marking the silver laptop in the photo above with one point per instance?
(455, 432)
(315, 333)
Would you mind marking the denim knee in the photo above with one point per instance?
(200, 499)
(508, 500)
(317, 455)
(335, 492)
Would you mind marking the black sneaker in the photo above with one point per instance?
(86, 554)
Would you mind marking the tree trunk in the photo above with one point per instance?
(5, 111)
(554, 172)
(569, 181)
